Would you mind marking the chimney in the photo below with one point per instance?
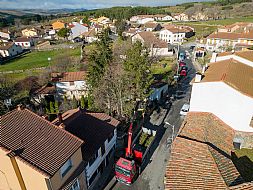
(60, 118)
(19, 107)
(198, 77)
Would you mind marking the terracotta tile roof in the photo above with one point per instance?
(245, 54)
(46, 89)
(90, 33)
(23, 39)
(93, 128)
(235, 74)
(149, 39)
(177, 29)
(244, 186)
(36, 141)
(200, 157)
(232, 35)
(68, 76)
(150, 25)
(6, 46)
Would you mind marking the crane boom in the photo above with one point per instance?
(129, 141)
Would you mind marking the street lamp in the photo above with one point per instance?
(49, 61)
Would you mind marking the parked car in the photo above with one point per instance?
(181, 64)
(181, 56)
(184, 110)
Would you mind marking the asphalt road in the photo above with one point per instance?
(152, 178)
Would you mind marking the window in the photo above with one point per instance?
(71, 83)
(110, 136)
(237, 145)
(26, 44)
(75, 186)
(103, 149)
(65, 168)
(251, 122)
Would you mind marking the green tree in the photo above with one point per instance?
(51, 107)
(137, 67)
(82, 102)
(74, 102)
(120, 26)
(64, 32)
(56, 106)
(99, 58)
(86, 21)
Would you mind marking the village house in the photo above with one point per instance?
(46, 92)
(151, 26)
(156, 47)
(10, 49)
(131, 32)
(36, 154)
(224, 87)
(5, 35)
(198, 16)
(181, 17)
(163, 17)
(201, 155)
(90, 36)
(24, 42)
(220, 40)
(32, 32)
(173, 34)
(70, 84)
(99, 132)
(59, 25)
(77, 30)
(142, 19)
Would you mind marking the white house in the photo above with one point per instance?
(152, 26)
(5, 35)
(70, 84)
(90, 36)
(181, 17)
(142, 19)
(225, 89)
(24, 42)
(77, 30)
(99, 132)
(157, 47)
(163, 17)
(10, 49)
(175, 34)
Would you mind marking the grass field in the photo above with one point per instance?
(36, 59)
(163, 67)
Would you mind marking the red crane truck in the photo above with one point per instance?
(128, 168)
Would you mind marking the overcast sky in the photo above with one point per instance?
(87, 4)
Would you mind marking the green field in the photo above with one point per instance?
(36, 59)
(163, 66)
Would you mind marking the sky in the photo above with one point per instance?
(86, 4)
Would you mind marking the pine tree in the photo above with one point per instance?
(51, 108)
(74, 103)
(82, 102)
(56, 106)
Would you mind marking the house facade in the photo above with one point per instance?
(175, 34)
(225, 89)
(156, 47)
(35, 154)
(5, 35)
(98, 131)
(151, 26)
(10, 49)
(70, 84)
(31, 32)
(24, 42)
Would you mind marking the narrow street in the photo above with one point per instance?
(153, 175)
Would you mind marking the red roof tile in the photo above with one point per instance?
(69, 76)
(93, 128)
(36, 141)
(200, 157)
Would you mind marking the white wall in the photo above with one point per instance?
(170, 37)
(108, 146)
(12, 51)
(145, 20)
(4, 35)
(231, 106)
(78, 89)
(161, 52)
